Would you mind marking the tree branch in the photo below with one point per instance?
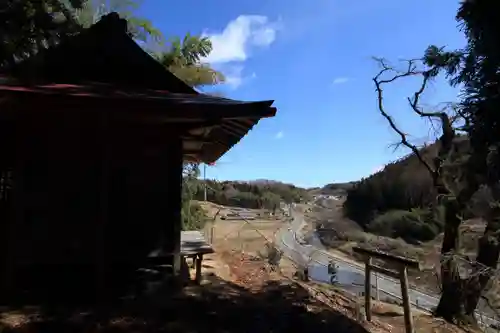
(411, 71)
(448, 132)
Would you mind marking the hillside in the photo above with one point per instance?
(332, 189)
(250, 194)
(389, 211)
(341, 234)
(394, 201)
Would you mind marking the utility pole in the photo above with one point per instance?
(205, 181)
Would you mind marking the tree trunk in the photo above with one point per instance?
(460, 297)
(451, 305)
(453, 302)
(488, 254)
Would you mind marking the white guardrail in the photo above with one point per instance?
(483, 319)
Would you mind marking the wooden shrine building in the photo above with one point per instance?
(93, 136)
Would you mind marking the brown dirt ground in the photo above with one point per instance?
(239, 293)
(253, 274)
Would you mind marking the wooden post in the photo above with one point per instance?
(368, 288)
(15, 215)
(101, 222)
(194, 261)
(212, 230)
(172, 235)
(239, 239)
(406, 299)
(8, 264)
(198, 266)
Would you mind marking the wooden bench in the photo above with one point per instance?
(193, 246)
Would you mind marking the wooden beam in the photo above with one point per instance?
(194, 152)
(192, 158)
(230, 123)
(191, 152)
(384, 271)
(202, 139)
(196, 125)
(229, 129)
(159, 109)
(411, 263)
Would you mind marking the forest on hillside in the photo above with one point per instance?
(335, 188)
(261, 194)
(396, 201)
(250, 194)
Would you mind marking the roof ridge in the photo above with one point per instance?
(110, 22)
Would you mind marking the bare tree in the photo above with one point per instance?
(453, 189)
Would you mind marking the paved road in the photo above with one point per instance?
(350, 276)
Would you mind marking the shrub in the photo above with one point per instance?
(193, 216)
(414, 225)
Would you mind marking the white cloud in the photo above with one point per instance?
(340, 80)
(235, 76)
(378, 169)
(279, 135)
(239, 36)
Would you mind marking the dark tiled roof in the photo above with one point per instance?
(105, 53)
(102, 53)
(233, 119)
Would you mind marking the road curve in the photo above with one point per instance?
(290, 241)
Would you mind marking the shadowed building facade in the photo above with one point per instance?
(94, 133)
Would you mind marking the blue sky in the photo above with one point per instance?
(314, 59)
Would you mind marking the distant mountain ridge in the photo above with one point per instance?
(261, 193)
(328, 189)
(332, 189)
(262, 182)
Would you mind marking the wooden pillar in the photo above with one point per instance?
(368, 288)
(173, 226)
(402, 274)
(15, 213)
(102, 219)
(6, 237)
(406, 299)
(198, 263)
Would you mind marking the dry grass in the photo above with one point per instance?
(249, 236)
(239, 293)
(388, 317)
(245, 270)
